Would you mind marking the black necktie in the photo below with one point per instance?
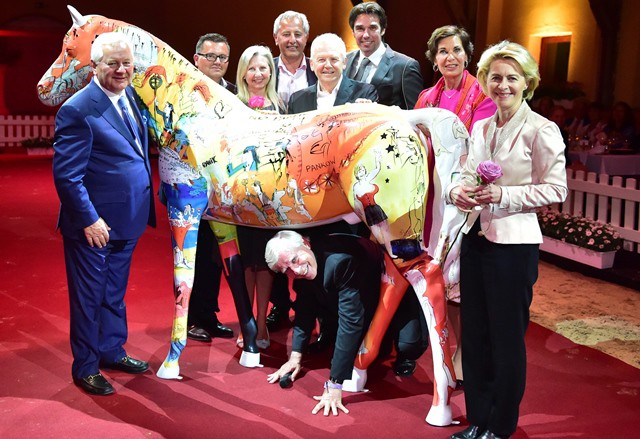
(360, 74)
(128, 120)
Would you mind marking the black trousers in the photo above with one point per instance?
(496, 291)
(206, 283)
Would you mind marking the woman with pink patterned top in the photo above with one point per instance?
(449, 50)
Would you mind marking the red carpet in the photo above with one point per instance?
(572, 390)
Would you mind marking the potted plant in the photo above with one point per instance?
(581, 239)
(38, 145)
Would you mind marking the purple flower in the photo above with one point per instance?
(256, 102)
(488, 172)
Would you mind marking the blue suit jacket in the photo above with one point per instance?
(350, 90)
(98, 169)
(397, 79)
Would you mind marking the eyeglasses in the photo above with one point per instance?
(213, 57)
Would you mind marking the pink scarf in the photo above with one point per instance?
(471, 96)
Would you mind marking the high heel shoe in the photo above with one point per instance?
(240, 341)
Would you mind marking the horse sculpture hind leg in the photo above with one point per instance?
(417, 266)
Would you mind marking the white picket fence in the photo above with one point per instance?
(15, 129)
(613, 200)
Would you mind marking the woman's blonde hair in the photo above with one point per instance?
(243, 65)
(509, 50)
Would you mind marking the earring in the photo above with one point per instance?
(466, 63)
(435, 67)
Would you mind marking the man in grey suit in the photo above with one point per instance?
(396, 76)
(328, 54)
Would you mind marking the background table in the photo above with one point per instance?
(610, 164)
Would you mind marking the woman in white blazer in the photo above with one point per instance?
(499, 254)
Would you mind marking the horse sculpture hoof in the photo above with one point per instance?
(439, 416)
(357, 381)
(169, 373)
(247, 359)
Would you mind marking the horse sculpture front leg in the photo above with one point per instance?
(185, 204)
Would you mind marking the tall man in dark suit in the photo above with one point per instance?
(212, 59)
(102, 174)
(398, 81)
(293, 73)
(328, 54)
(396, 76)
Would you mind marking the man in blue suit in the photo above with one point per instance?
(328, 54)
(396, 76)
(103, 178)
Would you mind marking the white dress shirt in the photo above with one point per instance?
(375, 59)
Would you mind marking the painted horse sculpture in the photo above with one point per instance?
(222, 161)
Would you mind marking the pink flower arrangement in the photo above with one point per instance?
(577, 230)
(488, 172)
(256, 102)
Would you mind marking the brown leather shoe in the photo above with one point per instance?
(94, 384)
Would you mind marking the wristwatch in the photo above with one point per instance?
(332, 384)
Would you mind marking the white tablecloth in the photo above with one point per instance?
(610, 164)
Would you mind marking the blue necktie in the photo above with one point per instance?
(128, 120)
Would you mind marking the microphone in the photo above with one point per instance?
(285, 380)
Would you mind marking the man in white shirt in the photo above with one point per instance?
(212, 59)
(328, 53)
(293, 71)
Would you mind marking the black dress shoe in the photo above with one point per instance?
(276, 318)
(471, 432)
(217, 329)
(488, 435)
(94, 384)
(129, 365)
(198, 334)
(404, 368)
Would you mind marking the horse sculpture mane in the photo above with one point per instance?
(222, 161)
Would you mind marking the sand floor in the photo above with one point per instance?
(589, 311)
